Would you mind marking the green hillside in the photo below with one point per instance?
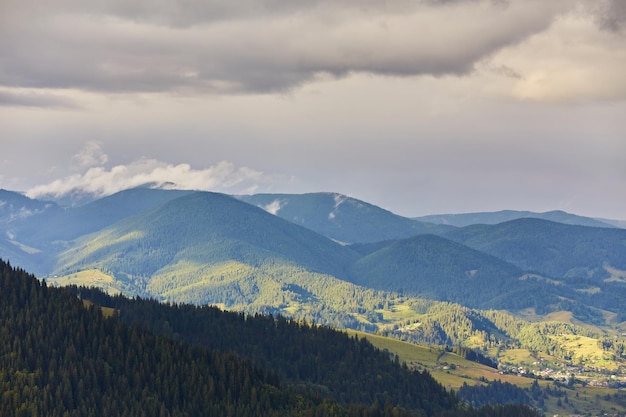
(434, 267)
(38, 230)
(195, 231)
(473, 380)
(554, 249)
(584, 265)
(58, 358)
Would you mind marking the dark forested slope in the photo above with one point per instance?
(555, 249)
(437, 268)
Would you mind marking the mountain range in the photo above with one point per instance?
(322, 256)
(559, 216)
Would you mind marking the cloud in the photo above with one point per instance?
(99, 181)
(611, 15)
(571, 61)
(198, 47)
(91, 155)
(35, 99)
(274, 207)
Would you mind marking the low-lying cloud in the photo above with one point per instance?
(100, 181)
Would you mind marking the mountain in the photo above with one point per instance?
(615, 223)
(35, 231)
(341, 218)
(434, 267)
(585, 266)
(15, 206)
(554, 249)
(70, 224)
(467, 219)
(200, 241)
(21, 219)
(183, 246)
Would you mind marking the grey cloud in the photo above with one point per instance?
(216, 47)
(613, 15)
(505, 71)
(35, 99)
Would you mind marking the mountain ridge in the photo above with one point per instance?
(495, 217)
(203, 247)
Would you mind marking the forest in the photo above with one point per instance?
(62, 356)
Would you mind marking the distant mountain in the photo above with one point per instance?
(341, 218)
(440, 269)
(21, 220)
(38, 230)
(15, 207)
(615, 223)
(467, 219)
(554, 249)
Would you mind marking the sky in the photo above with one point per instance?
(417, 106)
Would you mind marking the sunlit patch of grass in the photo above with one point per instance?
(560, 316)
(70, 257)
(87, 278)
(586, 351)
(537, 277)
(106, 311)
(184, 276)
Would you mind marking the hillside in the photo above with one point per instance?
(59, 356)
(545, 247)
(437, 268)
(341, 218)
(202, 238)
(38, 230)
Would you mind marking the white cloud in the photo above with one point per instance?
(274, 207)
(99, 181)
(339, 200)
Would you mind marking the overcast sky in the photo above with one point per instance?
(418, 106)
